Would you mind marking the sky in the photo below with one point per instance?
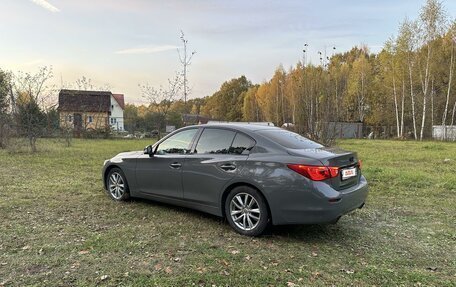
(125, 43)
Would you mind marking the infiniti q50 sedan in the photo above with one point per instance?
(251, 174)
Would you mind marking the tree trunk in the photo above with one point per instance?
(452, 114)
(425, 85)
(432, 103)
(277, 105)
(283, 105)
(413, 102)
(32, 141)
(396, 107)
(448, 94)
(402, 108)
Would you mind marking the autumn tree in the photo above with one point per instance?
(431, 25)
(227, 103)
(32, 92)
(162, 98)
(250, 108)
(5, 88)
(450, 40)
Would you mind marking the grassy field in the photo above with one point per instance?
(59, 228)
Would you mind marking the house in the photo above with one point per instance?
(85, 110)
(117, 112)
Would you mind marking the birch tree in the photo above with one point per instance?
(406, 43)
(452, 38)
(431, 25)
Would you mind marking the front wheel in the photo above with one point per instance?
(117, 185)
(246, 211)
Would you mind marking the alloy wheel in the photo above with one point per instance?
(116, 185)
(245, 211)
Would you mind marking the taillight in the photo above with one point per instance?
(315, 172)
(359, 164)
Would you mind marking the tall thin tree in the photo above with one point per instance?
(186, 60)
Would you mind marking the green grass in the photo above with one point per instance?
(58, 227)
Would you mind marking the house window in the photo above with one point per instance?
(90, 119)
(113, 120)
(70, 118)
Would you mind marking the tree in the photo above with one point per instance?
(452, 38)
(250, 108)
(358, 86)
(186, 60)
(5, 86)
(227, 102)
(162, 98)
(31, 121)
(32, 92)
(406, 43)
(431, 25)
(131, 118)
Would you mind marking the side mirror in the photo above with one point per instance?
(149, 150)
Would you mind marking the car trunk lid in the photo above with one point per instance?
(346, 161)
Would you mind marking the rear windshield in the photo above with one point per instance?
(289, 139)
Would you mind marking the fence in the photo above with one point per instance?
(345, 130)
(444, 133)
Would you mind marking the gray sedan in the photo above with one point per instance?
(251, 174)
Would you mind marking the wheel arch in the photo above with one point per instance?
(106, 172)
(241, 183)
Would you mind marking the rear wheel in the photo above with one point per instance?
(117, 185)
(246, 211)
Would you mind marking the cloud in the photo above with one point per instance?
(147, 50)
(46, 5)
(34, 62)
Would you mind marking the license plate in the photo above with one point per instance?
(349, 172)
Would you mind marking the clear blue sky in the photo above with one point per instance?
(125, 43)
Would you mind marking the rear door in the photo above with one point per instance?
(216, 159)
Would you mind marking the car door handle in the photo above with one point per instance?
(228, 167)
(175, 165)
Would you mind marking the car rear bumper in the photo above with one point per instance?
(320, 205)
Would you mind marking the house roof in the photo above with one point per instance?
(84, 101)
(120, 100)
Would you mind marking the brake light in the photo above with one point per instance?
(313, 172)
(359, 164)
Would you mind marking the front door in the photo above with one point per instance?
(77, 122)
(161, 174)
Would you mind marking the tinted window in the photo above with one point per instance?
(241, 144)
(178, 143)
(215, 141)
(289, 139)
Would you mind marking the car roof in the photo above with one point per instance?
(240, 126)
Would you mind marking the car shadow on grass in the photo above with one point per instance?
(307, 233)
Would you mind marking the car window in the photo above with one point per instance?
(215, 141)
(241, 144)
(289, 139)
(178, 143)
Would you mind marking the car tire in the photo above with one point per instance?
(246, 211)
(117, 185)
